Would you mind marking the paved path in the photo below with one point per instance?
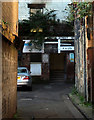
(47, 101)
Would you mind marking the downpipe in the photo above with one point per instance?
(85, 62)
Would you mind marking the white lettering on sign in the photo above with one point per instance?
(67, 48)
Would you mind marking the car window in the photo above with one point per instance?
(22, 71)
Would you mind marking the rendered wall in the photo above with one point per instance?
(9, 80)
(10, 16)
(8, 54)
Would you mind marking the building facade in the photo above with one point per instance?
(9, 54)
(54, 58)
(54, 62)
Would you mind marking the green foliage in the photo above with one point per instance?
(4, 22)
(41, 20)
(15, 116)
(80, 97)
(79, 9)
(74, 91)
(37, 21)
(87, 104)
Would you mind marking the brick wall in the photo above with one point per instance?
(93, 59)
(9, 80)
(91, 74)
(25, 60)
(45, 67)
(0, 77)
(90, 60)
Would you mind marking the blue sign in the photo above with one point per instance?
(28, 44)
(71, 57)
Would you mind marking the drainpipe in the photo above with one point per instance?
(59, 45)
(84, 60)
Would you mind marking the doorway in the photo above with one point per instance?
(57, 66)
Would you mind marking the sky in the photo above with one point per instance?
(37, 1)
(58, 5)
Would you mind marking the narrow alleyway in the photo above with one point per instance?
(47, 101)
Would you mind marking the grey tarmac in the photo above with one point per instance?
(49, 101)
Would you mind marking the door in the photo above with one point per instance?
(57, 61)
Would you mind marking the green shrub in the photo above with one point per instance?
(74, 91)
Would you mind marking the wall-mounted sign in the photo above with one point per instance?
(71, 57)
(30, 48)
(67, 48)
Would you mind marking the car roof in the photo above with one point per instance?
(22, 68)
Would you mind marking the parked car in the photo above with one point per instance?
(24, 78)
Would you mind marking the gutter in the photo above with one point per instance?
(79, 109)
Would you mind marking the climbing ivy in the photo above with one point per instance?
(4, 22)
(80, 9)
